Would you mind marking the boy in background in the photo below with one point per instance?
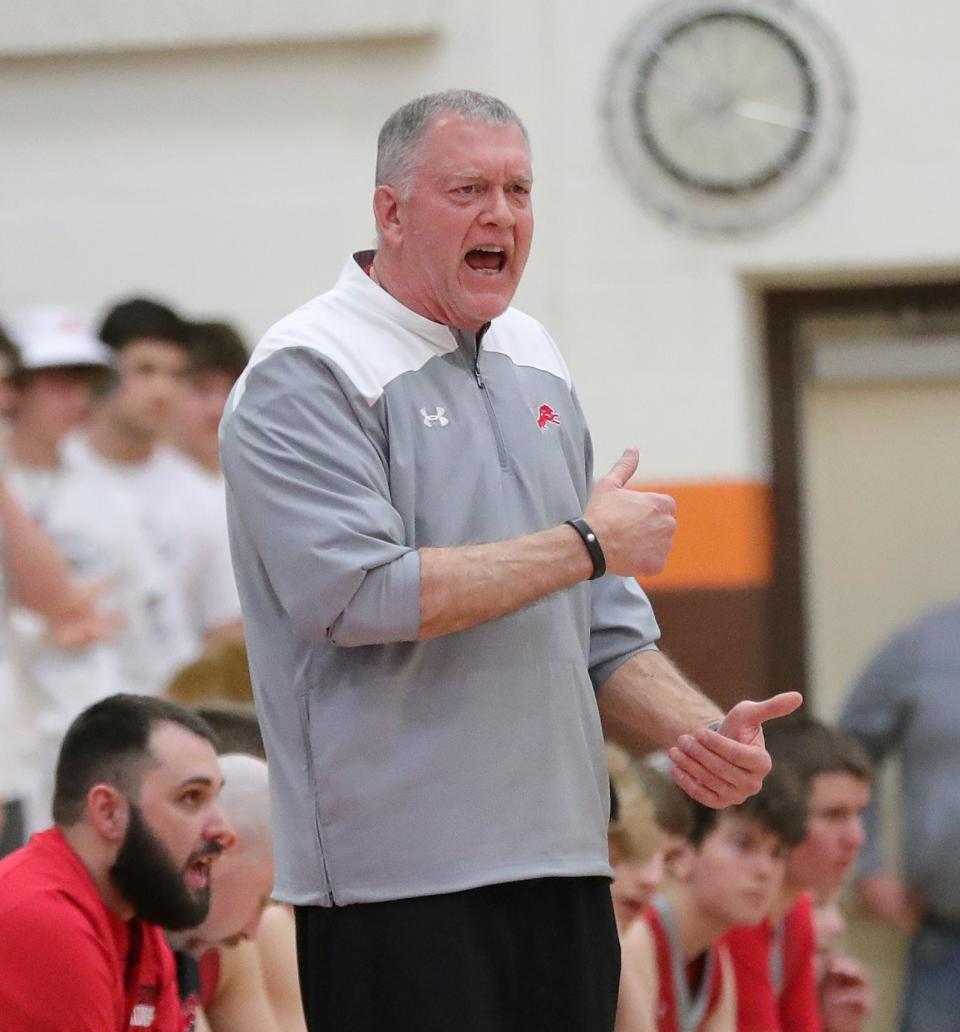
(846, 996)
(636, 842)
(673, 976)
(217, 357)
(775, 960)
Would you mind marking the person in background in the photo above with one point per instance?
(231, 975)
(775, 959)
(63, 366)
(9, 367)
(636, 842)
(180, 513)
(906, 706)
(846, 996)
(218, 356)
(240, 888)
(11, 786)
(671, 806)
(675, 977)
(33, 574)
(82, 905)
(276, 945)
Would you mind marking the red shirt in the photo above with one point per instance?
(681, 1006)
(776, 979)
(68, 963)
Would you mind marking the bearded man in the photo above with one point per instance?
(137, 827)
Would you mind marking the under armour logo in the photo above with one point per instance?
(434, 418)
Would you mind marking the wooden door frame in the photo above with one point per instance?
(782, 311)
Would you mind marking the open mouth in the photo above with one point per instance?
(197, 871)
(487, 260)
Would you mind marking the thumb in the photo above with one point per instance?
(624, 467)
(745, 719)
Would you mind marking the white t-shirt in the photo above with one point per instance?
(182, 512)
(98, 533)
(15, 728)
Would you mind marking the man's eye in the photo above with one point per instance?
(518, 188)
(470, 188)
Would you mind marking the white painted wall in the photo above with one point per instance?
(236, 181)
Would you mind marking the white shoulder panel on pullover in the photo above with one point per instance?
(316, 325)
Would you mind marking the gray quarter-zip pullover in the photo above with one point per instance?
(359, 433)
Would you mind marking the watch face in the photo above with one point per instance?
(727, 114)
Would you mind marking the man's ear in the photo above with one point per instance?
(386, 211)
(108, 810)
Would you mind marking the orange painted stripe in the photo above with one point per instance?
(723, 537)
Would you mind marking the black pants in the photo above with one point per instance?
(530, 956)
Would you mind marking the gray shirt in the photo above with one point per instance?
(360, 433)
(907, 702)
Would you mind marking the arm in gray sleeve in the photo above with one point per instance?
(307, 473)
(621, 617)
(875, 714)
(621, 624)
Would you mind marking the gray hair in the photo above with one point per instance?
(403, 131)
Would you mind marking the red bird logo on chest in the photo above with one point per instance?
(547, 415)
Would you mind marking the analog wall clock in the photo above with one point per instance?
(727, 115)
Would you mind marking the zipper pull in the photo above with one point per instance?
(476, 373)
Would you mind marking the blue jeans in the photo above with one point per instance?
(931, 1000)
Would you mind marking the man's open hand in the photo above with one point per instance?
(724, 767)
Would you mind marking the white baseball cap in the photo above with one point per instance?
(53, 338)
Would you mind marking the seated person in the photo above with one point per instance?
(636, 843)
(774, 960)
(845, 993)
(673, 974)
(672, 807)
(138, 827)
(276, 943)
(218, 962)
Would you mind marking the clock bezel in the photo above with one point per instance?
(786, 186)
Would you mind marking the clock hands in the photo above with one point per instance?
(773, 114)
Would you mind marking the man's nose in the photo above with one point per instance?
(767, 866)
(165, 386)
(854, 833)
(499, 210)
(219, 829)
(653, 871)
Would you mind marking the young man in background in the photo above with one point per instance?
(63, 367)
(180, 512)
(674, 976)
(775, 959)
